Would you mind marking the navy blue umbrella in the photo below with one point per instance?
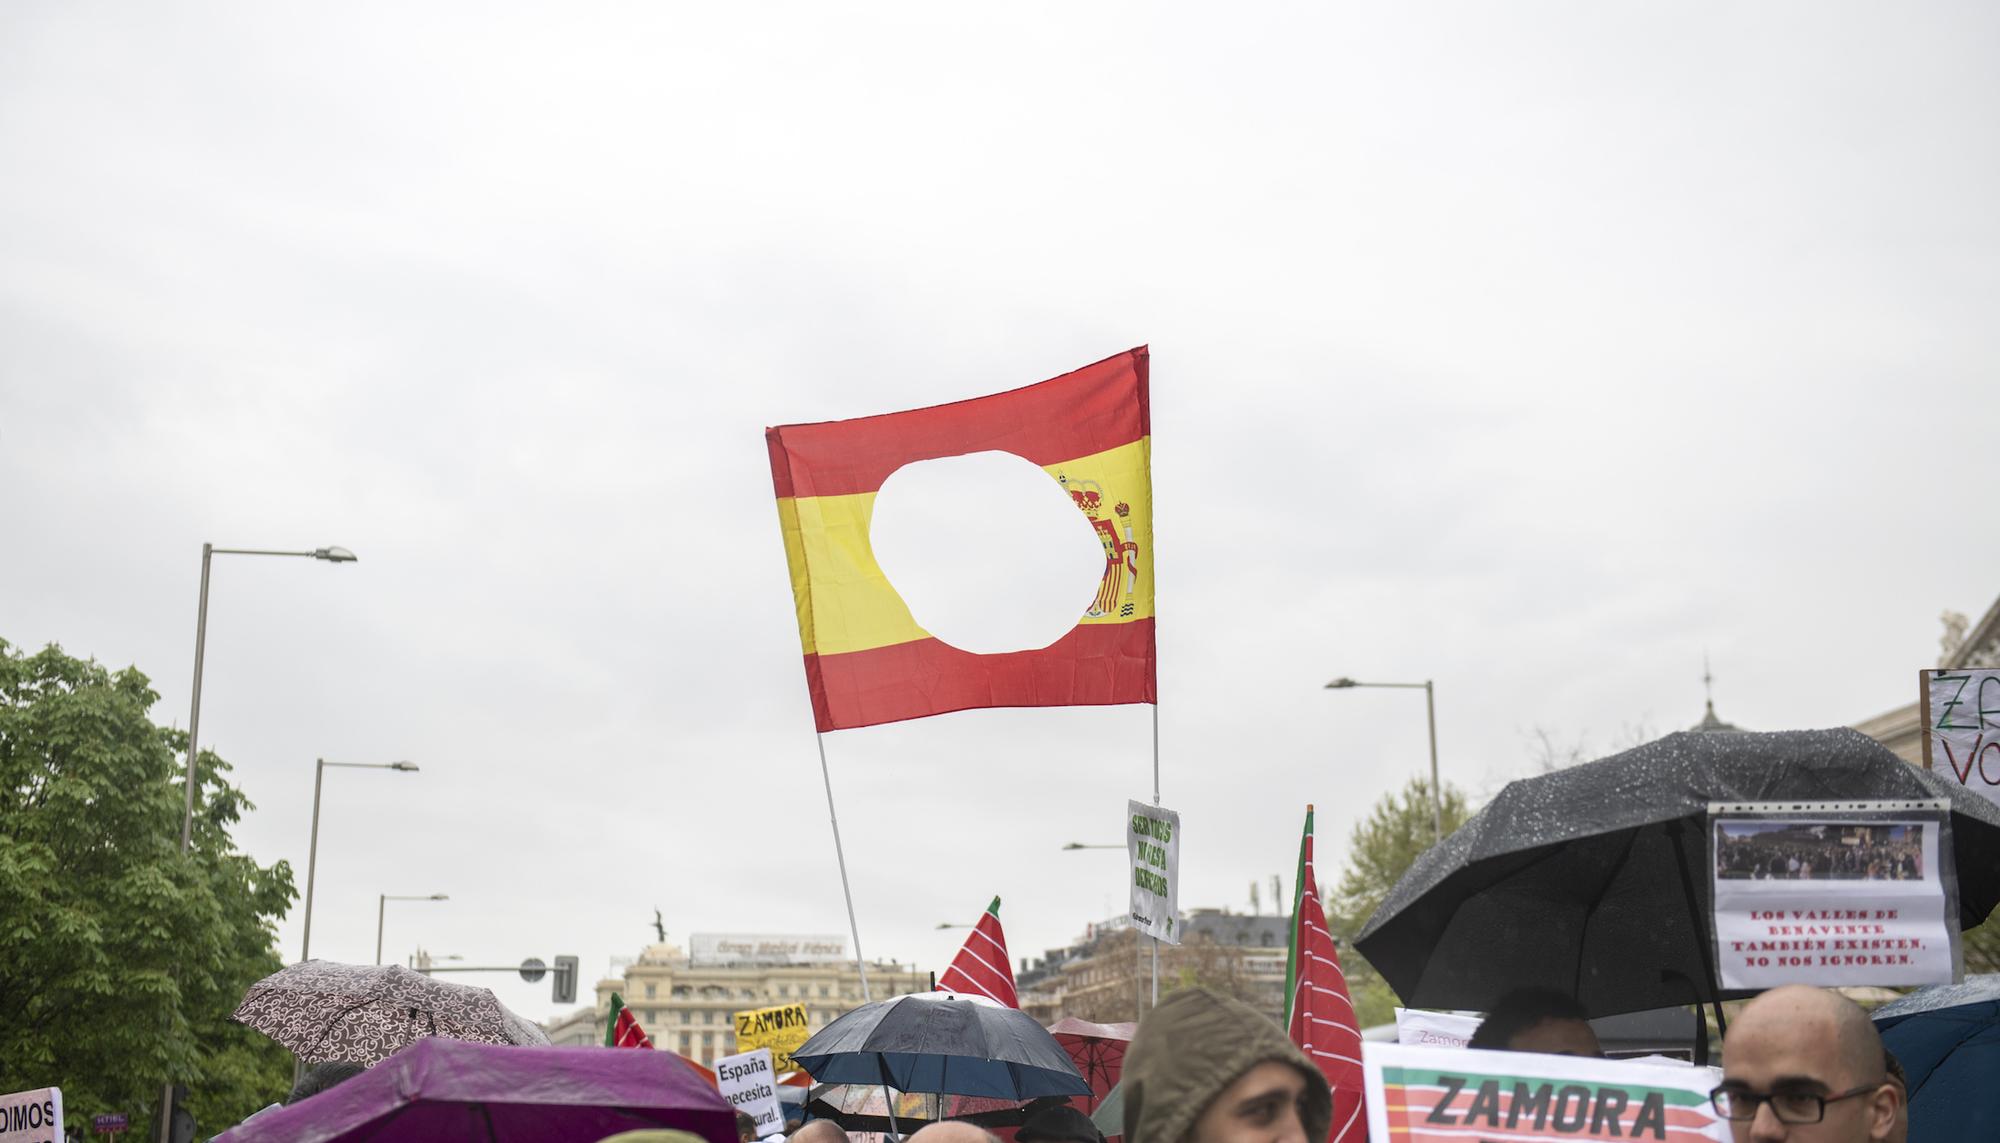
(1948, 1038)
(942, 1043)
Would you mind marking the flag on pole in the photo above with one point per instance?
(982, 967)
(1319, 1015)
(867, 661)
(621, 1028)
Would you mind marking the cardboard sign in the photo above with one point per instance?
(1457, 1095)
(1962, 728)
(1831, 900)
(1436, 1029)
(32, 1116)
(1153, 840)
(782, 1029)
(750, 1084)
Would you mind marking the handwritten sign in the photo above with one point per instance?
(1153, 840)
(749, 1083)
(1962, 728)
(782, 1029)
(1830, 900)
(1457, 1095)
(32, 1116)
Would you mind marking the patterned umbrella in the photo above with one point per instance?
(323, 1010)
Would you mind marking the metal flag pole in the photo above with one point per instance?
(853, 926)
(1156, 801)
(840, 856)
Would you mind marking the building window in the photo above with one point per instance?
(652, 991)
(652, 1017)
(707, 1041)
(708, 1017)
(784, 990)
(824, 992)
(687, 1042)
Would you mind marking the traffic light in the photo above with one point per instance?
(563, 989)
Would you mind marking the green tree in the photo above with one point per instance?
(1380, 849)
(120, 958)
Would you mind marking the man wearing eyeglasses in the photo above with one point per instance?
(1803, 1065)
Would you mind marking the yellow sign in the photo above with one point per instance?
(781, 1029)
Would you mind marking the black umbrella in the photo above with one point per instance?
(1594, 880)
(941, 1043)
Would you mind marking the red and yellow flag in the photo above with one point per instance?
(867, 661)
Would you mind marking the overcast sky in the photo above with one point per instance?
(1539, 348)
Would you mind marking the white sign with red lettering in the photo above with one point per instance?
(1834, 901)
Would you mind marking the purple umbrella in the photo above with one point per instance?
(452, 1091)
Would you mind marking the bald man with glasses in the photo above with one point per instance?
(1804, 1065)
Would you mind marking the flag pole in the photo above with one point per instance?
(840, 855)
(1156, 801)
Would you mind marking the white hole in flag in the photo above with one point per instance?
(988, 551)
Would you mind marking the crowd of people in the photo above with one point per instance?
(1789, 857)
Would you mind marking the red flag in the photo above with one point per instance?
(1319, 1013)
(867, 661)
(624, 1030)
(981, 967)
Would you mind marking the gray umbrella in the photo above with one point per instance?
(1593, 879)
(323, 1010)
(938, 1042)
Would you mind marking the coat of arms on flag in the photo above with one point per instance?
(867, 660)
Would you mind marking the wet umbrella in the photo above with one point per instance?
(1948, 1038)
(323, 1010)
(939, 1042)
(448, 1091)
(1594, 879)
(1098, 1050)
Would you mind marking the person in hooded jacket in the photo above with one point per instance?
(1207, 1069)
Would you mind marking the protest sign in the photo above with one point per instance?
(1833, 895)
(1455, 1095)
(1962, 728)
(749, 1082)
(1153, 839)
(32, 1116)
(782, 1029)
(1437, 1029)
(109, 1124)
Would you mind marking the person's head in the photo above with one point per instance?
(1207, 1069)
(1537, 1020)
(1062, 1124)
(319, 1077)
(1805, 1065)
(818, 1131)
(746, 1128)
(953, 1131)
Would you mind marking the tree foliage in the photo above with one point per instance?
(120, 958)
(1380, 849)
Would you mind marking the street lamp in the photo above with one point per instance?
(1430, 713)
(949, 925)
(331, 555)
(312, 854)
(382, 903)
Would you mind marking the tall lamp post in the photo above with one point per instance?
(312, 854)
(382, 903)
(1430, 713)
(331, 555)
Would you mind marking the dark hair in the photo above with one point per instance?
(1894, 1068)
(1062, 1124)
(1521, 1010)
(319, 1077)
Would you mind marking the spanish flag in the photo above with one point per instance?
(867, 661)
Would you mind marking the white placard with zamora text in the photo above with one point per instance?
(32, 1116)
(750, 1084)
(1153, 840)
